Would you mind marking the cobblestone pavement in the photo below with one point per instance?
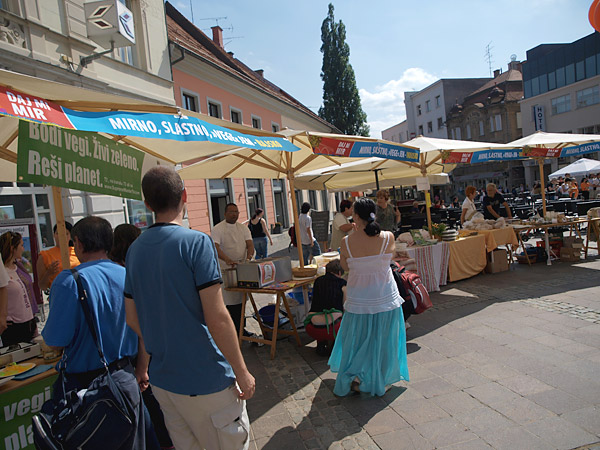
(505, 361)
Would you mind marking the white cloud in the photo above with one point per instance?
(385, 106)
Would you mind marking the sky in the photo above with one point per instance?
(395, 45)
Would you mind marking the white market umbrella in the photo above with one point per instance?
(579, 168)
(541, 145)
(248, 163)
(79, 99)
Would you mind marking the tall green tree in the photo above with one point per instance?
(341, 102)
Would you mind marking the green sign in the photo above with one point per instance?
(17, 408)
(78, 160)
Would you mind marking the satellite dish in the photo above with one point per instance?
(513, 57)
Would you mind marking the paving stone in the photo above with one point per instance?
(474, 444)
(561, 433)
(516, 437)
(524, 385)
(495, 371)
(465, 378)
(558, 401)
(483, 421)
(491, 393)
(445, 431)
(418, 372)
(407, 439)
(586, 418)
(383, 422)
(268, 425)
(433, 386)
(419, 411)
(522, 410)
(456, 402)
(441, 367)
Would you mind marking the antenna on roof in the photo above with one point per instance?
(216, 19)
(488, 56)
(192, 10)
(229, 39)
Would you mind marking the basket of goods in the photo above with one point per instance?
(304, 272)
(449, 235)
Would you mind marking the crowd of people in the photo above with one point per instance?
(156, 295)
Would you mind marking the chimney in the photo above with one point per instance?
(514, 65)
(496, 73)
(217, 35)
(260, 72)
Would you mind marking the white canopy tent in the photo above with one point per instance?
(579, 168)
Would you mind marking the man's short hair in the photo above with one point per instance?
(94, 233)
(345, 204)
(228, 205)
(162, 188)
(489, 185)
(305, 208)
(334, 267)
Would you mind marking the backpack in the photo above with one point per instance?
(292, 235)
(411, 287)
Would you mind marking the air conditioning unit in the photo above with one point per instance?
(109, 23)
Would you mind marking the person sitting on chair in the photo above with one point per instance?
(327, 307)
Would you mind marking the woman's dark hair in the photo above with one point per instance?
(305, 208)
(8, 242)
(69, 227)
(257, 211)
(365, 209)
(123, 237)
(94, 233)
(345, 204)
(335, 267)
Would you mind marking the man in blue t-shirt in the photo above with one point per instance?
(66, 327)
(174, 303)
(491, 203)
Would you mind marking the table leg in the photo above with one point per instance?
(520, 238)
(275, 327)
(548, 249)
(289, 313)
(258, 318)
(587, 240)
(241, 330)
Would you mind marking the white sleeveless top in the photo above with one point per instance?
(371, 287)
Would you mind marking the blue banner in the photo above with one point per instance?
(167, 126)
(580, 149)
(361, 149)
(497, 155)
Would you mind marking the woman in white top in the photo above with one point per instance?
(468, 207)
(370, 351)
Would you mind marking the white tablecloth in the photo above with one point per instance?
(432, 264)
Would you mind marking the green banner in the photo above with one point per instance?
(78, 160)
(17, 408)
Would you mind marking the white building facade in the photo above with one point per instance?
(426, 109)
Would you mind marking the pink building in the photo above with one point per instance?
(208, 79)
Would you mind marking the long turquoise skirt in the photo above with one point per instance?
(372, 348)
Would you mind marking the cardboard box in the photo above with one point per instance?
(573, 242)
(570, 254)
(497, 261)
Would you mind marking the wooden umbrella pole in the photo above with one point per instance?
(427, 200)
(296, 220)
(63, 242)
(543, 182)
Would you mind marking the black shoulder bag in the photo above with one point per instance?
(100, 417)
